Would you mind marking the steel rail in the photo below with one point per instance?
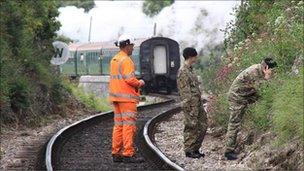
(55, 140)
(148, 131)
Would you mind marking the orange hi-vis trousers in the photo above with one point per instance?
(125, 116)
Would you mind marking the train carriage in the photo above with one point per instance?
(94, 58)
(157, 61)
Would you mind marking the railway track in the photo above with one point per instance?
(86, 144)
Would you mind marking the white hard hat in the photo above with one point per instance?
(124, 39)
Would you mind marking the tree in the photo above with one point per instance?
(153, 7)
(65, 39)
(29, 87)
(87, 5)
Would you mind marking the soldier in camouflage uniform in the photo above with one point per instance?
(242, 93)
(195, 117)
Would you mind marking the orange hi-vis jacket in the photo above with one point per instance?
(123, 85)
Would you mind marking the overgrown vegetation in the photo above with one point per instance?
(288, 108)
(90, 100)
(263, 28)
(29, 87)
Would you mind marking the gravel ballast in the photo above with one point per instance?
(169, 139)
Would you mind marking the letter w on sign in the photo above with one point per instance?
(58, 53)
(62, 53)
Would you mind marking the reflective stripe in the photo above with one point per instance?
(127, 96)
(120, 123)
(126, 114)
(122, 76)
(129, 123)
(117, 115)
(129, 114)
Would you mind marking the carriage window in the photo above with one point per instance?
(160, 60)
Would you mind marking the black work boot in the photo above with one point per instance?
(193, 155)
(201, 154)
(133, 159)
(117, 158)
(231, 155)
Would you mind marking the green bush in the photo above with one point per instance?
(29, 87)
(57, 91)
(90, 100)
(19, 95)
(259, 114)
(288, 120)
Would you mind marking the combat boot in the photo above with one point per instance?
(133, 159)
(231, 155)
(193, 155)
(117, 158)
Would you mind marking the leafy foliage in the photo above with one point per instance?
(259, 114)
(153, 7)
(27, 30)
(288, 108)
(65, 39)
(250, 20)
(87, 5)
(29, 85)
(90, 100)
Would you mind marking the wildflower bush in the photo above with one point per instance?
(262, 29)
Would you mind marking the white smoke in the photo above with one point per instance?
(178, 21)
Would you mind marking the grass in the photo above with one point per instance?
(288, 111)
(90, 100)
(259, 114)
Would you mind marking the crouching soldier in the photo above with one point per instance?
(195, 117)
(242, 93)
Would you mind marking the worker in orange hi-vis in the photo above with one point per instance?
(124, 95)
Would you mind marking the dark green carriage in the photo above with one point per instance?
(94, 59)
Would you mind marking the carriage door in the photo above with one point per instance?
(160, 59)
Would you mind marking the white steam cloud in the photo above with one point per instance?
(111, 18)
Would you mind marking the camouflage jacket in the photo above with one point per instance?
(188, 86)
(244, 86)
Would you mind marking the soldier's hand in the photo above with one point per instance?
(267, 72)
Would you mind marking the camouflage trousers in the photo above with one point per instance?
(195, 127)
(237, 111)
